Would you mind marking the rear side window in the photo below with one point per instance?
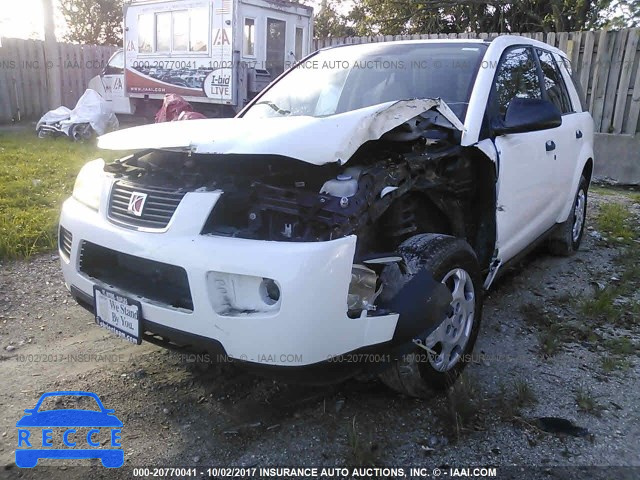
(565, 67)
(517, 76)
(554, 86)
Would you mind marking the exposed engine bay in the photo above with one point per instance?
(416, 178)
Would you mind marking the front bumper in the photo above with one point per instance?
(311, 324)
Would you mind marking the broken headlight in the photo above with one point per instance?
(87, 189)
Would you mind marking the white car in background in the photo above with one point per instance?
(347, 220)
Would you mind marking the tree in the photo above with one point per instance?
(97, 22)
(397, 17)
(329, 23)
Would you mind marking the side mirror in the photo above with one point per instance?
(528, 115)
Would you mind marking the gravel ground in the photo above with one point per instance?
(181, 412)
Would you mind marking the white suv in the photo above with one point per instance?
(347, 220)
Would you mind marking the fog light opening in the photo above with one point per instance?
(269, 291)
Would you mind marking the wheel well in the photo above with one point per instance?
(587, 171)
(468, 213)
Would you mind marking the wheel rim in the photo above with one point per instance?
(578, 215)
(449, 340)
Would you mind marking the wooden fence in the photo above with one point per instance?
(606, 63)
(25, 72)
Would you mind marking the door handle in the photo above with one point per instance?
(550, 145)
(578, 133)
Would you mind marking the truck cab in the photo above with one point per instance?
(110, 85)
(217, 54)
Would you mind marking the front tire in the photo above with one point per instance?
(565, 241)
(452, 261)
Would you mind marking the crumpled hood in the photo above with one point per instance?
(315, 140)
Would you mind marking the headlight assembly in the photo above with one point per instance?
(88, 186)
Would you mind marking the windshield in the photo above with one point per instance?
(342, 79)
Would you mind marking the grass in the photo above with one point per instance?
(614, 220)
(36, 175)
(601, 304)
(620, 346)
(587, 403)
(605, 191)
(611, 364)
(465, 406)
(552, 330)
(362, 452)
(514, 397)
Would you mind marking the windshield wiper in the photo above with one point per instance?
(275, 107)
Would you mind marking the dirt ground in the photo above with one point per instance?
(178, 411)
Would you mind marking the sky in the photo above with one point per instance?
(24, 19)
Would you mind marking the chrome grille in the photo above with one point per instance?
(64, 241)
(159, 206)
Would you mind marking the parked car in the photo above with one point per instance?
(348, 220)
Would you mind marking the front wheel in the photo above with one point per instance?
(443, 354)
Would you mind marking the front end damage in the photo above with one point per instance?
(282, 254)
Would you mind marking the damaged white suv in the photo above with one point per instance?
(347, 220)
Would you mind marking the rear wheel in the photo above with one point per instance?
(566, 239)
(445, 352)
(80, 132)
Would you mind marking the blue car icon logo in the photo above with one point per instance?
(65, 422)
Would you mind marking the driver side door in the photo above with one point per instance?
(526, 203)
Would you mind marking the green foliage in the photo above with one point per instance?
(36, 175)
(614, 220)
(401, 17)
(95, 22)
(329, 23)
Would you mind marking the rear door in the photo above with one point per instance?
(568, 142)
(527, 203)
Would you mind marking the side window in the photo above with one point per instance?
(517, 76)
(298, 45)
(115, 66)
(249, 41)
(554, 86)
(163, 32)
(145, 33)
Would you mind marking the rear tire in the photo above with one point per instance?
(566, 239)
(452, 261)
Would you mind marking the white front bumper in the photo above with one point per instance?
(312, 323)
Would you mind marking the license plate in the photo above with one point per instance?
(118, 314)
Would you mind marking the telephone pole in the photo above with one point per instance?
(51, 57)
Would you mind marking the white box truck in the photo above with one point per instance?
(216, 54)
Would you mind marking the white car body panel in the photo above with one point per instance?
(315, 274)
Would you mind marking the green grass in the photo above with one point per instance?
(612, 363)
(36, 175)
(614, 220)
(588, 403)
(362, 450)
(512, 398)
(600, 190)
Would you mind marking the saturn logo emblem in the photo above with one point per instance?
(136, 203)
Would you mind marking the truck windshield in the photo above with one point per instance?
(342, 79)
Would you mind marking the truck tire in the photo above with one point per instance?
(566, 239)
(452, 261)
